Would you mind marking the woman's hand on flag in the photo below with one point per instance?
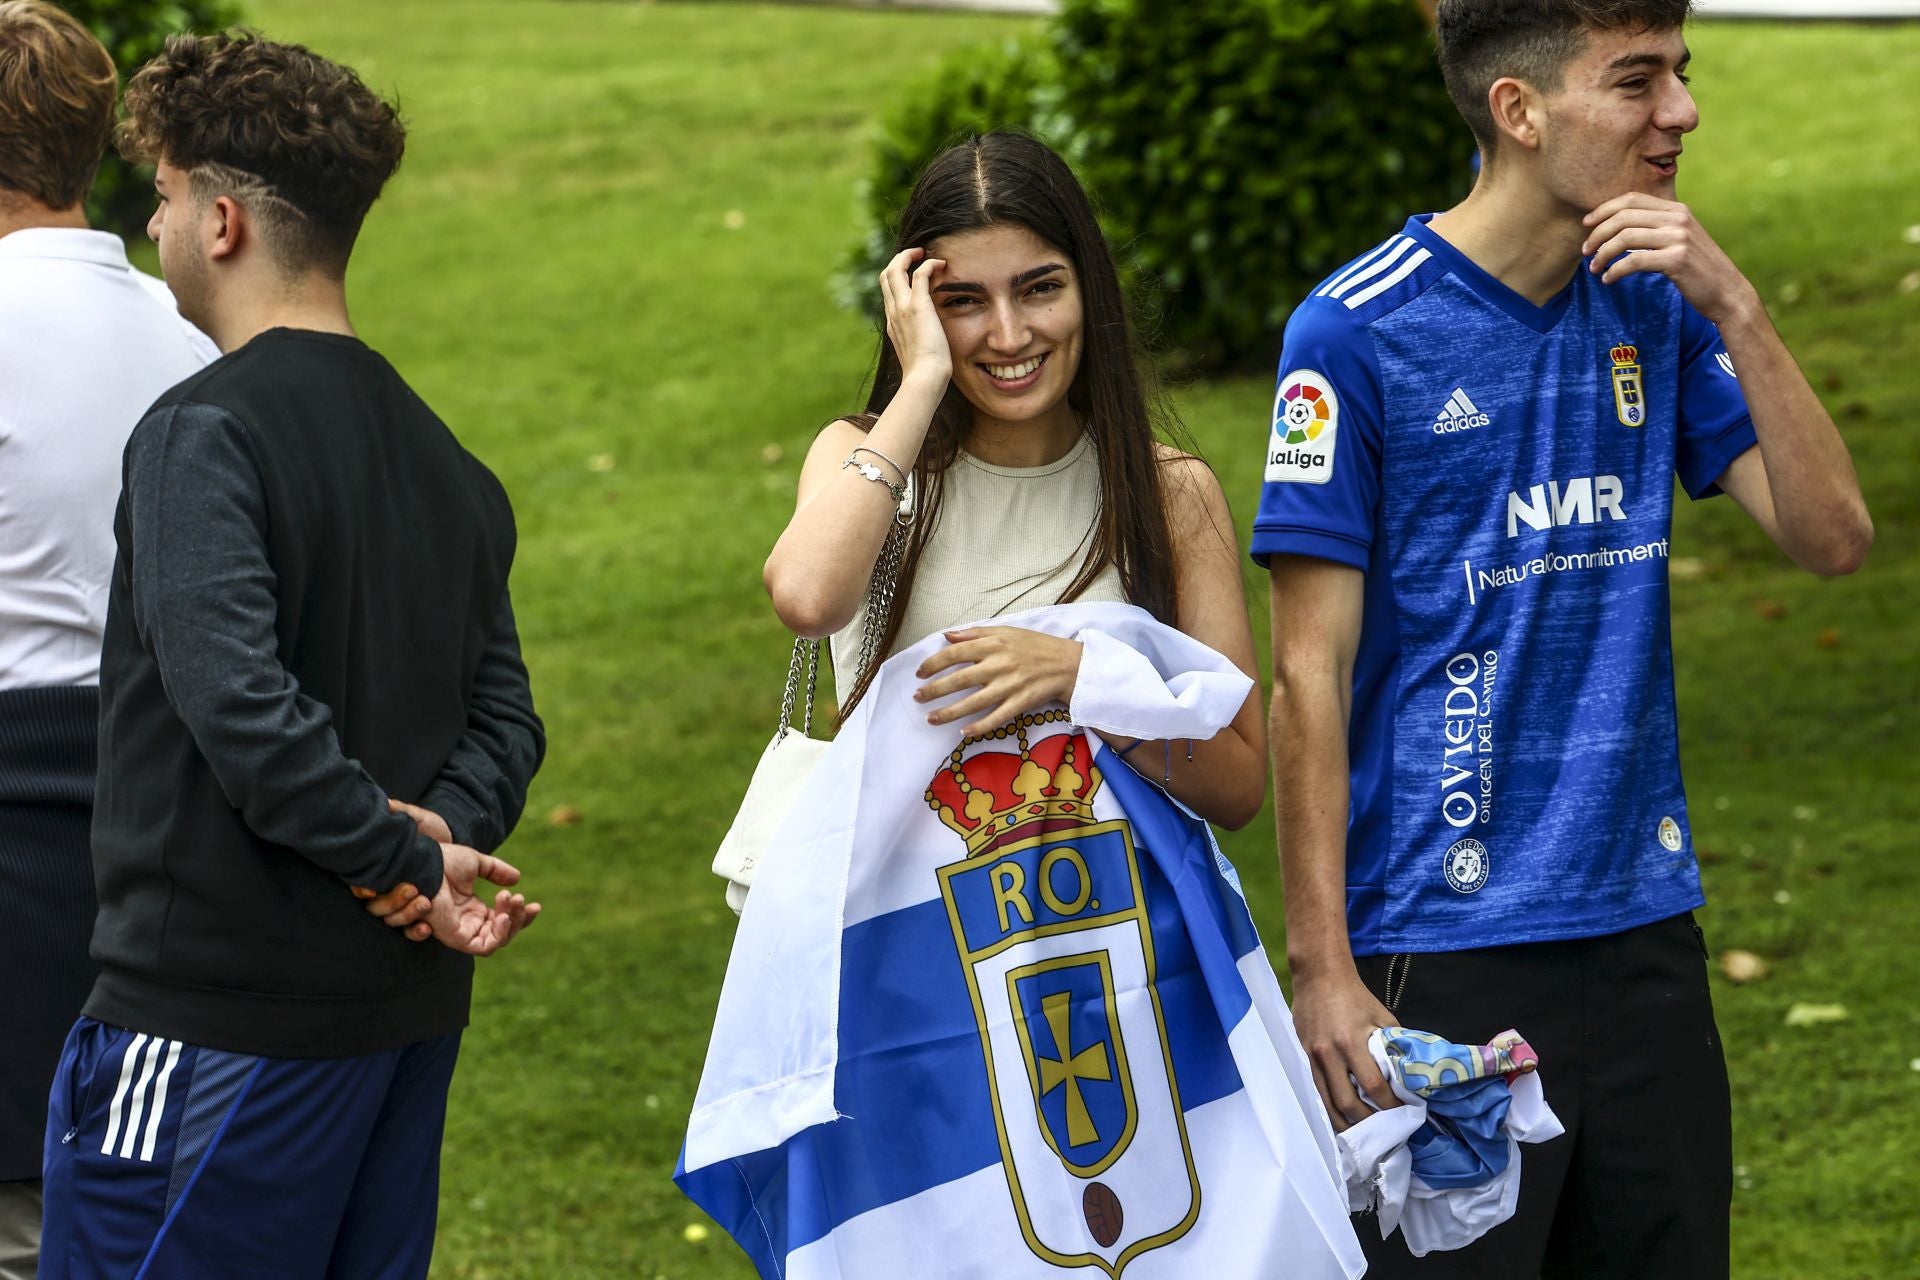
(1011, 671)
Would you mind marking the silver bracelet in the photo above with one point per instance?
(868, 471)
(897, 468)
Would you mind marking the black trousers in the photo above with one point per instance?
(1640, 1185)
(46, 901)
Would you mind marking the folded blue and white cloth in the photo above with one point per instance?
(1444, 1167)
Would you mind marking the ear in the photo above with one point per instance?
(230, 229)
(1518, 114)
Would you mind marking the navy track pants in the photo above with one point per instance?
(167, 1160)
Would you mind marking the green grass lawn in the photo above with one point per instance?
(605, 263)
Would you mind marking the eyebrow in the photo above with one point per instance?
(1025, 277)
(1631, 61)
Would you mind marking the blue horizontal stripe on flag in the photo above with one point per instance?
(912, 1079)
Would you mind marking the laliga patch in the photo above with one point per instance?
(1306, 420)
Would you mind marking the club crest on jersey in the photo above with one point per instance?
(1306, 423)
(1629, 398)
(1050, 921)
(1467, 865)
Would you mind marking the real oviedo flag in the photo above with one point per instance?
(997, 1010)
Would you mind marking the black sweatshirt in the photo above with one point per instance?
(308, 614)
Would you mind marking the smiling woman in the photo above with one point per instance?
(1011, 417)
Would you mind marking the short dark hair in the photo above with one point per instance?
(1481, 41)
(56, 103)
(301, 140)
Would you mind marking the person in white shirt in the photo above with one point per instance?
(86, 344)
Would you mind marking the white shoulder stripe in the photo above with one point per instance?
(1404, 270)
(120, 1092)
(1359, 266)
(1373, 269)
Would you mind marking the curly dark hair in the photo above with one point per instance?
(1480, 41)
(298, 139)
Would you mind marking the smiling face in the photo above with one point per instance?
(1615, 124)
(1010, 304)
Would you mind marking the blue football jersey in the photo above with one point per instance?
(1503, 474)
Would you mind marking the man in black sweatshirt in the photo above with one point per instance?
(314, 720)
(86, 343)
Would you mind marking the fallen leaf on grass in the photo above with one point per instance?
(1812, 1015)
(1685, 568)
(1742, 966)
(695, 1232)
(1829, 638)
(1769, 610)
(564, 815)
(772, 453)
(1910, 282)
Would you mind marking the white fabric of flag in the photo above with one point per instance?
(996, 1010)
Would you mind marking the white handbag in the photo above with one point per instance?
(790, 758)
(784, 768)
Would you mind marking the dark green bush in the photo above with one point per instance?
(1242, 149)
(134, 31)
(1007, 86)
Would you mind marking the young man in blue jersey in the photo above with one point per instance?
(1466, 513)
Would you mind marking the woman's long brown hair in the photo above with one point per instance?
(1010, 179)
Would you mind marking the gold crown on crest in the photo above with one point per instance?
(1626, 353)
(992, 798)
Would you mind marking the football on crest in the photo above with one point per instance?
(1102, 1208)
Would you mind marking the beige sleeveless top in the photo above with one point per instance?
(1008, 538)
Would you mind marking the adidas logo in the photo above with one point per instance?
(1458, 414)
